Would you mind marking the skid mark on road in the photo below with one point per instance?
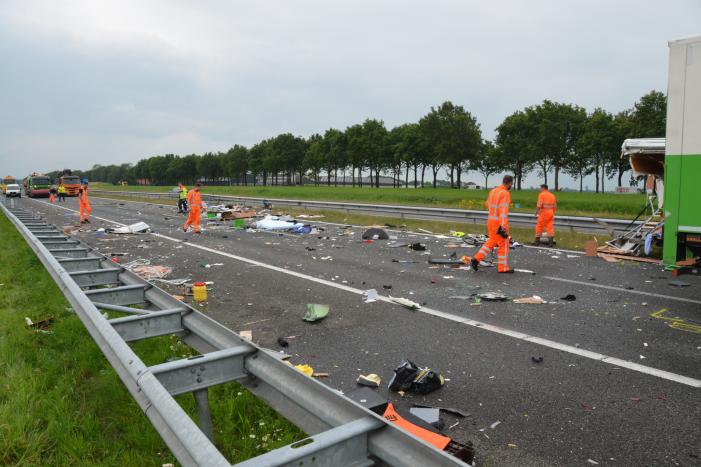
(693, 382)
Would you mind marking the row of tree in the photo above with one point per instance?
(549, 138)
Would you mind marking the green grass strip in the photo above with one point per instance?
(62, 404)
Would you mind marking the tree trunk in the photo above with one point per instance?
(620, 175)
(459, 170)
(434, 169)
(557, 178)
(353, 175)
(416, 176)
(581, 181)
(597, 177)
(423, 172)
(486, 180)
(603, 177)
(406, 176)
(452, 169)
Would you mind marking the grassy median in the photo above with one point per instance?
(62, 404)
(569, 203)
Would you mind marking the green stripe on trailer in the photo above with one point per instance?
(682, 203)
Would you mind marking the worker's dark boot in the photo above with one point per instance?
(536, 242)
(551, 241)
(510, 271)
(474, 264)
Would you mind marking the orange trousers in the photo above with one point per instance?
(193, 219)
(495, 241)
(84, 209)
(545, 223)
(51, 197)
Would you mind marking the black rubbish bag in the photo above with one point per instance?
(409, 377)
(404, 375)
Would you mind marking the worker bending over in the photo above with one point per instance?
(545, 210)
(194, 199)
(84, 204)
(182, 199)
(497, 226)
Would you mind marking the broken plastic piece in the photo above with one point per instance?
(371, 296)
(372, 380)
(533, 300)
(431, 416)
(493, 296)
(316, 312)
(418, 247)
(405, 303)
(304, 368)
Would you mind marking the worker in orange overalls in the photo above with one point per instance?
(545, 210)
(497, 226)
(195, 201)
(84, 204)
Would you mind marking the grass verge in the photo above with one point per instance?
(566, 239)
(569, 203)
(62, 404)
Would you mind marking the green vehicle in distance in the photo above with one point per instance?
(37, 185)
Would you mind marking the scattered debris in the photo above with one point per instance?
(429, 415)
(525, 271)
(532, 300)
(590, 247)
(425, 231)
(375, 233)
(403, 261)
(248, 335)
(537, 359)
(41, 325)
(409, 377)
(139, 227)
(569, 298)
(405, 302)
(451, 410)
(609, 258)
(321, 375)
(493, 296)
(495, 424)
(372, 380)
(316, 312)
(677, 283)
(282, 342)
(306, 369)
(418, 247)
(386, 287)
(371, 296)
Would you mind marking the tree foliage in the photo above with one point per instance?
(550, 137)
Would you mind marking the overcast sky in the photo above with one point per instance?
(101, 82)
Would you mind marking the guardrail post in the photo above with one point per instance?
(203, 413)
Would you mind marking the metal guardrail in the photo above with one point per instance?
(518, 219)
(343, 432)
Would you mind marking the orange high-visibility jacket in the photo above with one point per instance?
(194, 199)
(498, 206)
(547, 200)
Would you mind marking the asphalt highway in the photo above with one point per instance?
(617, 385)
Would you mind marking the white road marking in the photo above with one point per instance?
(618, 289)
(693, 382)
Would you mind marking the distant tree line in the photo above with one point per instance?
(548, 138)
